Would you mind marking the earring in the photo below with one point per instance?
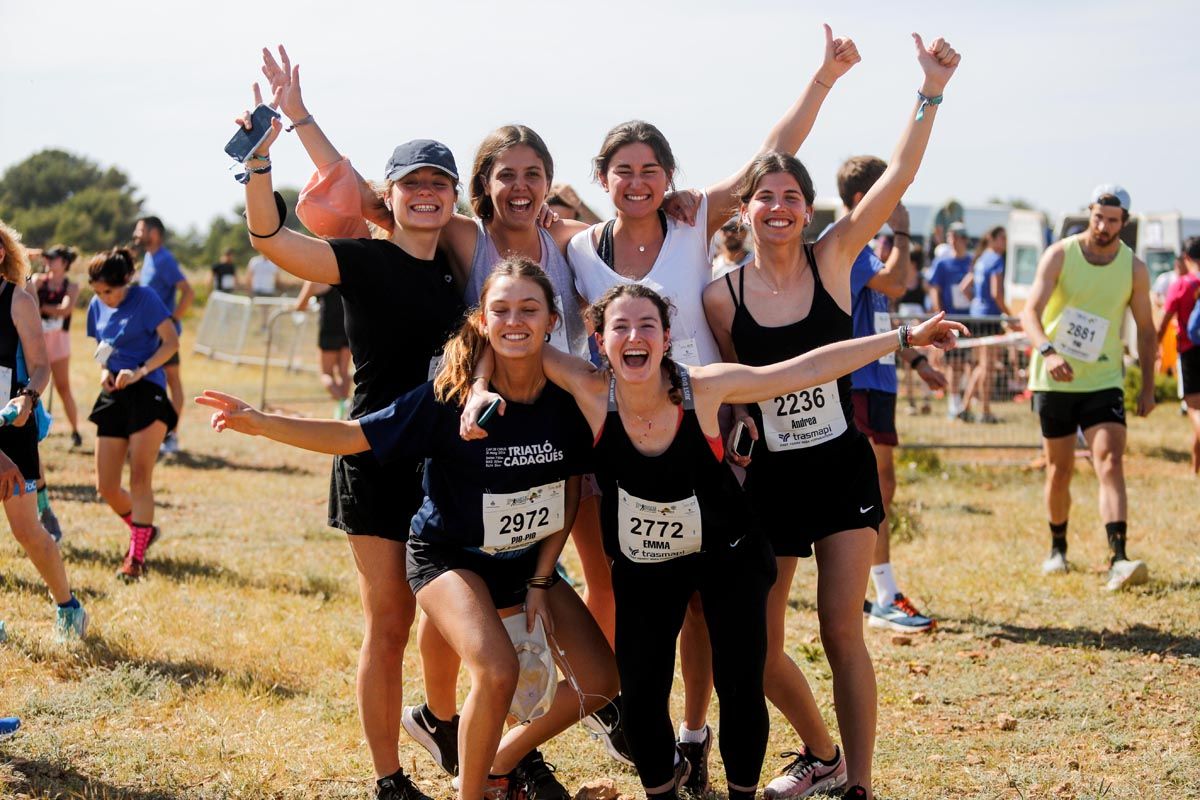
(547, 338)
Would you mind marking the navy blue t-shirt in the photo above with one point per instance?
(132, 330)
(984, 303)
(478, 493)
(869, 310)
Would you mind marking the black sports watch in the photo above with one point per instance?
(1046, 349)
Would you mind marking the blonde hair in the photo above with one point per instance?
(15, 266)
(464, 349)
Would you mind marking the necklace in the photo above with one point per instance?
(775, 288)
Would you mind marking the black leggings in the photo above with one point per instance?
(651, 601)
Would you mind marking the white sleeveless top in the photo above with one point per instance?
(680, 273)
(570, 335)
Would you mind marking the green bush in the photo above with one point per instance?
(1165, 388)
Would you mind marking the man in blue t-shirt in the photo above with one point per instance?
(987, 300)
(949, 291)
(161, 273)
(874, 386)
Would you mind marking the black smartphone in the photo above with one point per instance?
(244, 141)
(743, 445)
(488, 413)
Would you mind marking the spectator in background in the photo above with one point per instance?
(566, 203)
(262, 276)
(731, 248)
(162, 275)
(1162, 284)
(987, 300)
(1181, 299)
(224, 274)
(912, 304)
(949, 280)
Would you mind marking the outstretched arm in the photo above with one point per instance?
(938, 62)
(737, 383)
(336, 437)
(793, 128)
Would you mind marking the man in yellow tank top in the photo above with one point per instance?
(1073, 318)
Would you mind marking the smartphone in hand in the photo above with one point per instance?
(488, 413)
(245, 141)
(743, 445)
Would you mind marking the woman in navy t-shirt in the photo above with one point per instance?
(135, 336)
(495, 516)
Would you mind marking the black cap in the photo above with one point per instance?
(419, 153)
(59, 251)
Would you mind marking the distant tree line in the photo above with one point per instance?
(57, 197)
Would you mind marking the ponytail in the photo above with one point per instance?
(462, 352)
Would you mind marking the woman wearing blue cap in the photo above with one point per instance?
(400, 304)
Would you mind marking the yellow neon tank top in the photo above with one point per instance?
(1083, 320)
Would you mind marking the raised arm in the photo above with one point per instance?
(892, 280)
(793, 128)
(336, 437)
(303, 256)
(851, 233)
(737, 383)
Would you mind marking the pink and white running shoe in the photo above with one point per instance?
(807, 775)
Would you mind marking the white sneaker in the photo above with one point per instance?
(1127, 573)
(954, 406)
(170, 444)
(1056, 564)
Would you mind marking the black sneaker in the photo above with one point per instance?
(607, 723)
(683, 770)
(855, 792)
(504, 787)
(538, 777)
(76, 439)
(398, 787)
(696, 755)
(438, 737)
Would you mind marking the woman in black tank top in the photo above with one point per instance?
(675, 521)
(793, 298)
(20, 329)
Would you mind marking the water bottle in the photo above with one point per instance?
(9, 413)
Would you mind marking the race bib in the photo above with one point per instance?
(104, 351)
(558, 336)
(51, 324)
(883, 324)
(958, 297)
(650, 532)
(5, 385)
(435, 364)
(516, 521)
(803, 419)
(1080, 335)
(685, 351)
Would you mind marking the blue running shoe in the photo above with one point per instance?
(71, 623)
(8, 726)
(900, 615)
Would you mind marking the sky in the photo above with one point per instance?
(1051, 99)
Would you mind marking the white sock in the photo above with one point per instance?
(686, 734)
(885, 584)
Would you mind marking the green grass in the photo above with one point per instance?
(229, 671)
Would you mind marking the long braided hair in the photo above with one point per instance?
(597, 310)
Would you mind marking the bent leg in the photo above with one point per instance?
(459, 604)
(597, 575)
(110, 463)
(21, 511)
(1107, 443)
(143, 455)
(61, 372)
(439, 670)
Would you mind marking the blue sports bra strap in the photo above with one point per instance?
(685, 386)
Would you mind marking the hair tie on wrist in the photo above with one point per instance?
(305, 120)
(281, 208)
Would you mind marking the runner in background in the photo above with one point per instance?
(1073, 318)
(949, 281)
(135, 336)
(911, 306)
(986, 286)
(160, 272)
(1180, 300)
(56, 296)
(332, 345)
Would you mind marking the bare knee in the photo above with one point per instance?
(386, 636)
(140, 477)
(495, 676)
(842, 638)
(1109, 463)
(1059, 475)
(28, 535)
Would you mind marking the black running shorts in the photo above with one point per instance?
(504, 577)
(1062, 413)
(139, 405)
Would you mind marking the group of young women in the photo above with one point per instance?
(627, 455)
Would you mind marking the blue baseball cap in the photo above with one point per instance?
(1111, 189)
(418, 153)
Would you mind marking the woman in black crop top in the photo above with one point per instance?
(676, 522)
(56, 296)
(794, 298)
